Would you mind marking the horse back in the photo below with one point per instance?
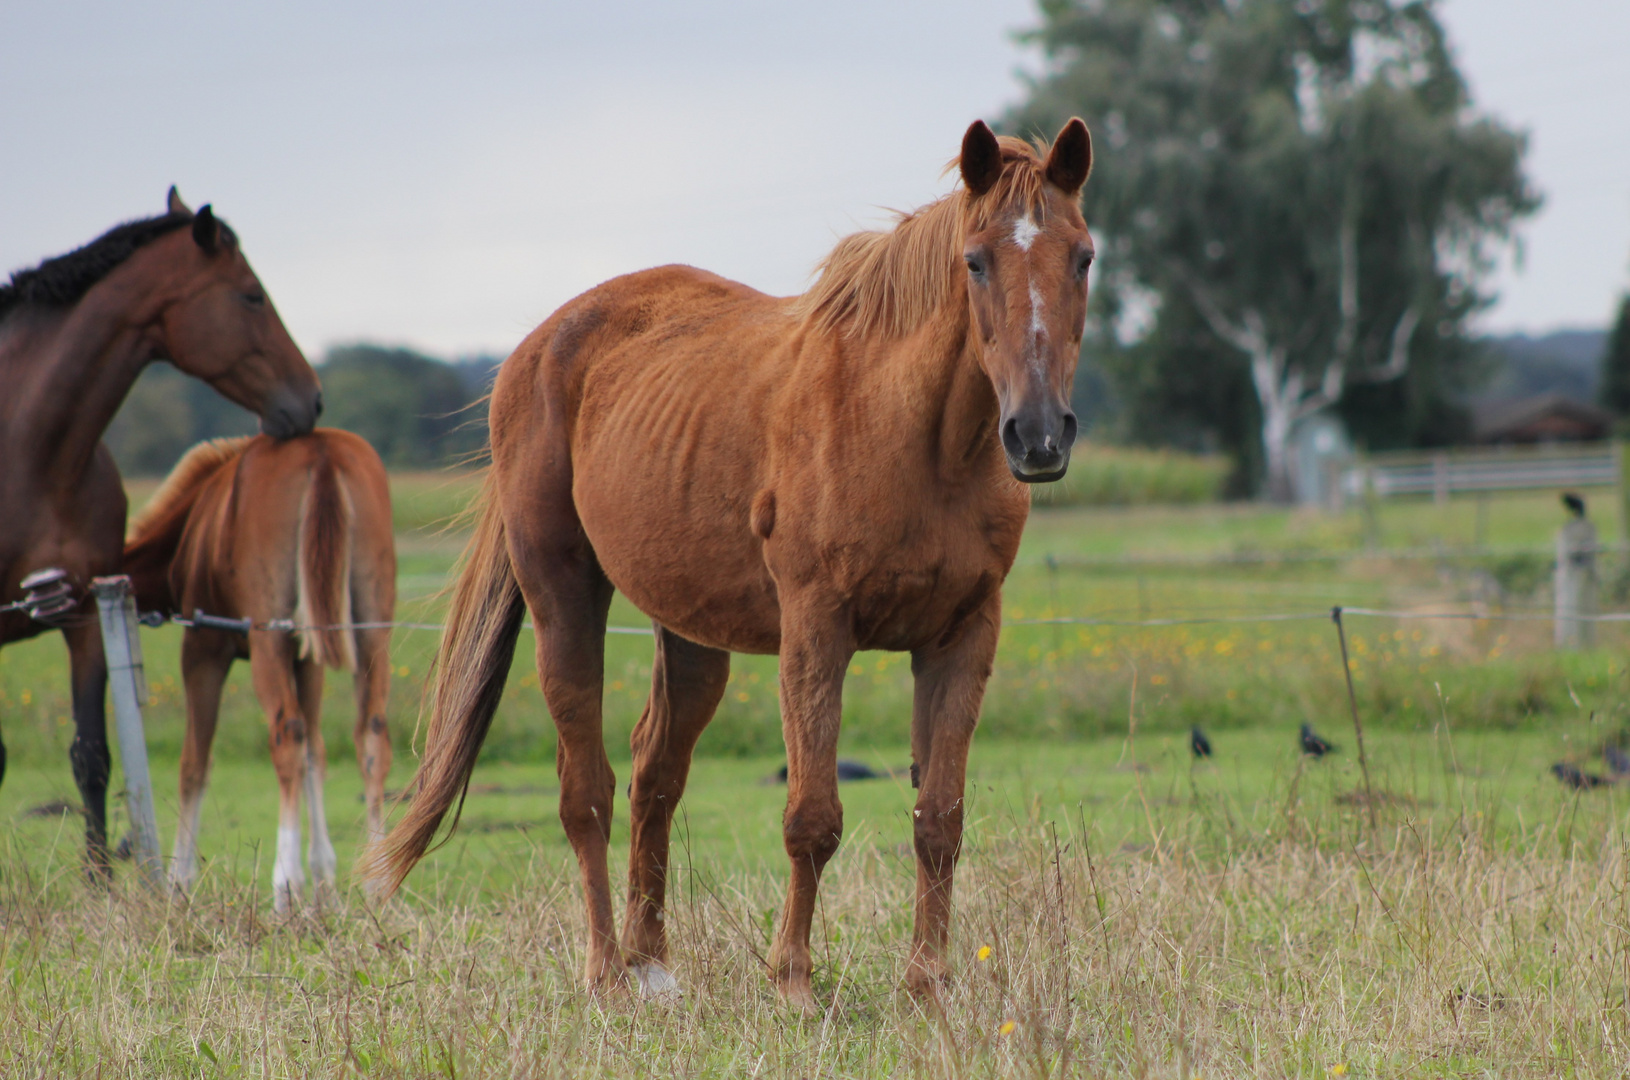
(292, 529)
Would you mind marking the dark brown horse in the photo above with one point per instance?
(297, 531)
(810, 476)
(74, 334)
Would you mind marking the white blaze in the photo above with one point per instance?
(1038, 328)
(1025, 232)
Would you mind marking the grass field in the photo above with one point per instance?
(1143, 916)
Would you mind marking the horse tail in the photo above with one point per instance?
(472, 664)
(324, 569)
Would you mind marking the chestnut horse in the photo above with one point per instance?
(297, 531)
(74, 334)
(808, 476)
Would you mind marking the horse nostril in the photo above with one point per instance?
(317, 405)
(1010, 438)
(1069, 431)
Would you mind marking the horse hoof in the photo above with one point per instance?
(655, 981)
(927, 983)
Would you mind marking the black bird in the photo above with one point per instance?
(1576, 778)
(1617, 760)
(1313, 744)
(1199, 743)
(847, 770)
(1574, 502)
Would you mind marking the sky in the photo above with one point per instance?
(413, 174)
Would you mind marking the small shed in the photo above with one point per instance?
(1548, 418)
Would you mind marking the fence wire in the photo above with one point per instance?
(1338, 610)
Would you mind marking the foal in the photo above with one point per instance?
(297, 531)
(808, 476)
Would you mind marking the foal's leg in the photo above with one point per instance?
(308, 678)
(271, 662)
(816, 647)
(371, 735)
(89, 755)
(206, 657)
(568, 596)
(950, 686)
(687, 681)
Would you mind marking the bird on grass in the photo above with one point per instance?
(1617, 760)
(1577, 778)
(847, 770)
(1315, 745)
(1198, 743)
(1575, 503)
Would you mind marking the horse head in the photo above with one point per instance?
(223, 329)
(1027, 252)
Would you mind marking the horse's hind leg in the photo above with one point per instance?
(687, 681)
(371, 735)
(271, 662)
(206, 657)
(89, 753)
(568, 596)
(950, 684)
(308, 678)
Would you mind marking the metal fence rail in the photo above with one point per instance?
(1503, 469)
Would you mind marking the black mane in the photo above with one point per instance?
(62, 281)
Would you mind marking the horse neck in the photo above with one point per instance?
(951, 390)
(75, 369)
(147, 562)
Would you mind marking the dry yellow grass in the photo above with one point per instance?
(1310, 947)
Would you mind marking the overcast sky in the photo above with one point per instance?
(445, 178)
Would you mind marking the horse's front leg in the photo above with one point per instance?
(89, 754)
(816, 647)
(950, 681)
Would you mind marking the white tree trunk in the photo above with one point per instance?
(1286, 393)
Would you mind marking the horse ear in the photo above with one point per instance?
(176, 206)
(205, 230)
(1070, 160)
(981, 160)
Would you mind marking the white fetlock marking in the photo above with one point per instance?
(288, 882)
(655, 980)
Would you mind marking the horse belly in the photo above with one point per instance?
(680, 550)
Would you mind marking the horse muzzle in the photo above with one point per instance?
(1038, 444)
(289, 413)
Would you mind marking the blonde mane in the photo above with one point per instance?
(180, 488)
(887, 284)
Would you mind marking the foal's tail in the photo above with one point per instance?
(324, 569)
(471, 666)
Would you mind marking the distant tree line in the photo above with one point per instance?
(418, 412)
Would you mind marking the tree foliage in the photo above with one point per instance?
(418, 412)
(1298, 199)
(413, 409)
(1615, 381)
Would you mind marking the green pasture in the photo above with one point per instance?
(1143, 914)
(1137, 795)
(1053, 682)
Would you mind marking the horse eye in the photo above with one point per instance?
(976, 265)
(1083, 265)
(254, 299)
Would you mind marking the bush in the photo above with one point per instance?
(1128, 476)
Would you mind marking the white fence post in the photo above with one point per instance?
(1575, 584)
(129, 684)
